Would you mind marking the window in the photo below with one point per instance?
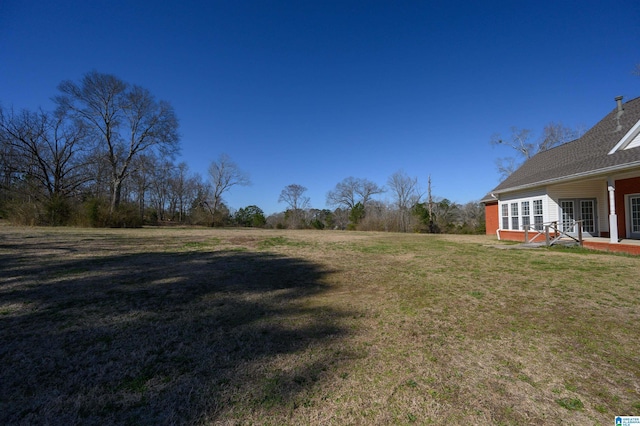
(514, 216)
(537, 214)
(525, 212)
(505, 216)
(526, 218)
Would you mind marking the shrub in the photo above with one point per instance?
(126, 215)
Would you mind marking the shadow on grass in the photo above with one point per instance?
(157, 338)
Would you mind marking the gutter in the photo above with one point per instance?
(593, 173)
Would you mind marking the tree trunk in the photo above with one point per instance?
(116, 189)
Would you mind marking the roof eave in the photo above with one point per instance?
(576, 176)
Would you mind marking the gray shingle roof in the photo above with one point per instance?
(585, 156)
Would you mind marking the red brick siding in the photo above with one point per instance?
(618, 248)
(492, 218)
(519, 236)
(623, 188)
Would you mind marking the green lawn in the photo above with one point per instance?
(207, 326)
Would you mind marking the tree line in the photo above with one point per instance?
(106, 156)
(406, 208)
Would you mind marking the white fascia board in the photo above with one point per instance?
(626, 139)
(592, 173)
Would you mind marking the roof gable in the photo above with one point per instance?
(630, 140)
(612, 144)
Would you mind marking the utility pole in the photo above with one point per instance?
(430, 207)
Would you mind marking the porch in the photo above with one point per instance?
(552, 234)
(623, 246)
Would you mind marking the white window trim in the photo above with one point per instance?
(532, 216)
(627, 211)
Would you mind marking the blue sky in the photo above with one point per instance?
(311, 92)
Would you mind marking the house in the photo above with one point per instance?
(593, 181)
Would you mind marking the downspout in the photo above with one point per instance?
(497, 230)
(613, 217)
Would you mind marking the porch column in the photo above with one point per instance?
(613, 217)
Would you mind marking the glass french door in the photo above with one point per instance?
(567, 215)
(588, 216)
(634, 216)
(579, 209)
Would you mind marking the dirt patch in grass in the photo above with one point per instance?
(209, 326)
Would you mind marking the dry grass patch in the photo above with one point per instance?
(202, 326)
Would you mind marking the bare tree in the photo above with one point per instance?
(380, 217)
(224, 175)
(341, 218)
(294, 196)
(351, 191)
(125, 120)
(160, 186)
(49, 150)
(183, 188)
(406, 193)
(142, 177)
(344, 194)
(472, 215)
(521, 140)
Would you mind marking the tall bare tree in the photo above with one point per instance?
(521, 140)
(49, 150)
(293, 196)
(406, 193)
(142, 178)
(351, 191)
(125, 120)
(224, 175)
(183, 188)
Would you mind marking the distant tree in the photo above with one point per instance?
(160, 187)
(340, 218)
(381, 216)
(224, 175)
(141, 177)
(351, 191)
(199, 214)
(356, 215)
(406, 193)
(326, 216)
(8, 158)
(320, 219)
(446, 215)
(49, 151)
(521, 140)
(125, 120)
(251, 216)
(276, 221)
(183, 187)
(293, 196)
(424, 219)
(472, 217)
